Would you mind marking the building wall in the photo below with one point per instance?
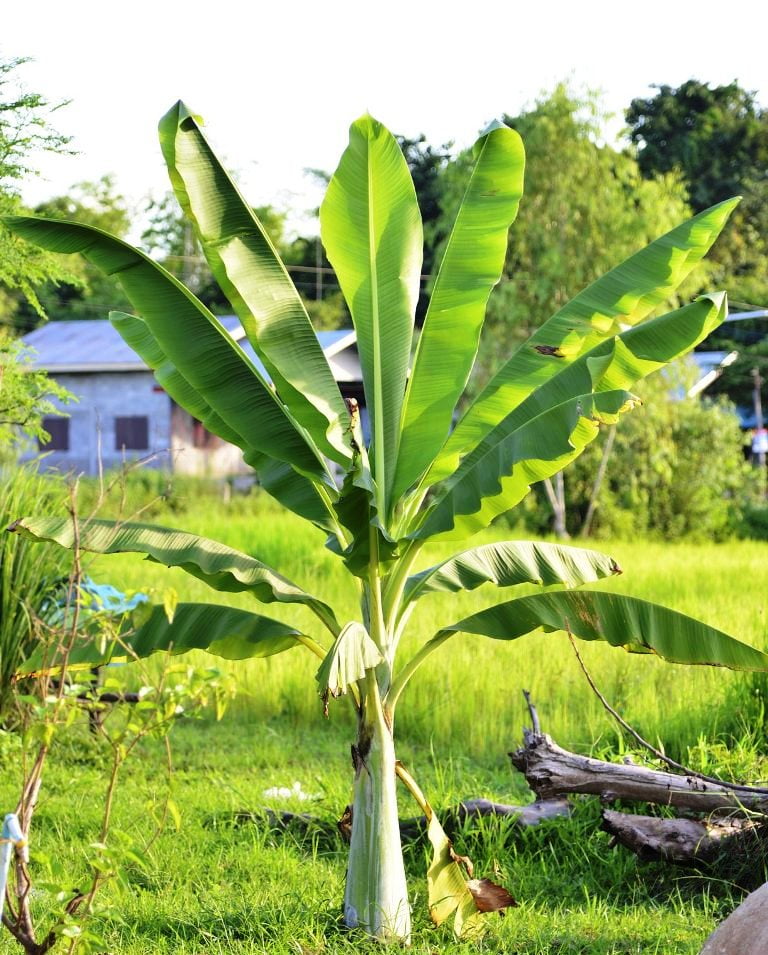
(196, 451)
(103, 397)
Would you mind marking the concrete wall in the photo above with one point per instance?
(102, 398)
(213, 458)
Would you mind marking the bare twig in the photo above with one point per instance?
(673, 764)
(535, 724)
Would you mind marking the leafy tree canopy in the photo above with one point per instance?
(586, 205)
(25, 398)
(26, 130)
(717, 137)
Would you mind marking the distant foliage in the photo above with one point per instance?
(26, 130)
(716, 137)
(586, 206)
(676, 469)
(25, 399)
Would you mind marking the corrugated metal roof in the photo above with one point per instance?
(91, 346)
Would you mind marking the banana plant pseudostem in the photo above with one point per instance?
(419, 477)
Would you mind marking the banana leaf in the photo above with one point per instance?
(222, 631)
(472, 264)
(309, 498)
(624, 296)
(371, 229)
(508, 563)
(254, 279)
(192, 338)
(222, 568)
(621, 621)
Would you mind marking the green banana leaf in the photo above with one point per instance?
(135, 332)
(371, 229)
(508, 563)
(618, 620)
(222, 631)
(252, 276)
(192, 338)
(624, 296)
(221, 567)
(617, 363)
(502, 475)
(472, 264)
(298, 493)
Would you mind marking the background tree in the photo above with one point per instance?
(25, 398)
(26, 130)
(585, 204)
(674, 469)
(88, 294)
(717, 138)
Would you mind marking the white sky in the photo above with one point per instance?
(278, 83)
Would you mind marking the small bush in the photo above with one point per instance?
(676, 469)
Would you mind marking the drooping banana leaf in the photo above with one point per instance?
(302, 495)
(222, 568)
(135, 332)
(254, 279)
(624, 296)
(192, 338)
(472, 264)
(508, 563)
(222, 631)
(618, 620)
(371, 229)
(502, 475)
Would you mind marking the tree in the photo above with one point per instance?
(675, 468)
(415, 480)
(89, 294)
(587, 206)
(25, 130)
(717, 138)
(25, 399)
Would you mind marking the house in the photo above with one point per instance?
(122, 413)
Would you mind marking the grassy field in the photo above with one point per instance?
(213, 886)
(468, 698)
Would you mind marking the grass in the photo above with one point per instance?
(217, 887)
(468, 697)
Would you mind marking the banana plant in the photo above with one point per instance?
(420, 476)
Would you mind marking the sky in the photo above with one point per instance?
(278, 84)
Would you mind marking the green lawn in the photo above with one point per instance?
(216, 887)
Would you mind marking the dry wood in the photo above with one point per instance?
(552, 771)
(682, 841)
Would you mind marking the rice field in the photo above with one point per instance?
(468, 698)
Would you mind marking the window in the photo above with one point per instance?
(132, 434)
(202, 437)
(58, 429)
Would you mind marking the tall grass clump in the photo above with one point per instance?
(28, 574)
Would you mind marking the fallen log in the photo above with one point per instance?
(683, 841)
(552, 771)
(524, 816)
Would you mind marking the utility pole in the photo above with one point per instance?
(319, 270)
(760, 441)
